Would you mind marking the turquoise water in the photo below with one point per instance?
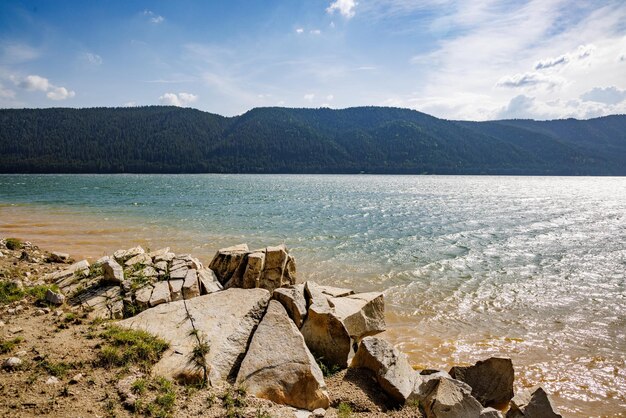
(533, 267)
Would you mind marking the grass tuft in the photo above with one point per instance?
(14, 244)
(6, 346)
(124, 347)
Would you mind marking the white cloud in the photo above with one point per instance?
(529, 80)
(582, 52)
(154, 18)
(315, 32)
(525, 107)
(609, 95)
(180, 99)
(345, 7)
(330, 97)
(309, 97)
(60, 93)
(38, 83)
(299, 30)
(132, 103)
(35, 83)
(91, 58)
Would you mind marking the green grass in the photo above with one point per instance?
(6, 346)
(234, 400)
(327, 370)
(124, 347)
(139, 386)
(344, 410)
(10, 292)
(14, 244)
(59, 369)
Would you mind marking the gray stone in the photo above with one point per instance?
(123, 255)
(102, 302)
(227, 260)
(191, 288)
(167, 257)
(292, 298)
(208, 282)
(224, 320)
(161, 265)
(179, 273)
(160, 294)
(74, 271)
(279, 269)
(535, 404)
(491, 380)
(113, 272)
(54, 297)
(147, 272)
(52, 380)
(159, 253)
(176, 289)
(390, 366)
(142, 296)
(142, 259)
(278, 366)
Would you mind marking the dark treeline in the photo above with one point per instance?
(160, 139)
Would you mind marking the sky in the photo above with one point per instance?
(463, 60)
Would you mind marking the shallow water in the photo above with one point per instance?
(530, 267)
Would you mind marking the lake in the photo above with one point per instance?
(528, 267)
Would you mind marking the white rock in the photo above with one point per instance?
(160, 294)
(12, 363)
(143, 259)
(191, 288)
(535, 404)
(123, 255)
(208, 281)
(52, 380)
(292, 298)
(113, 272)
(54, 297)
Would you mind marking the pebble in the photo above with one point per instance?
(2, 324)
(16, 330)
(46, 310)
(58, 312)
(77, 378)
(39, 312)
(12, 363)
(21, 353)
(11, 311)
(52, 381)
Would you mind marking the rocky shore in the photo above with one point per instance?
(154, 333)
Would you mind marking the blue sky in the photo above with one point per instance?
(475, 60)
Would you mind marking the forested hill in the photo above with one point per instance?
(161, 139)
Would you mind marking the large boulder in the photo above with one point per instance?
(324, 333)
(227, 261)
(363, 314)
(443, 397)
(224, 320)
(254, 271)
(490, 413)
(491, 380)
(279, 269)
(390, 366)
(535, 404)
(292, 298)
(278, 365)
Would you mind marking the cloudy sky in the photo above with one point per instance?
(454, 59)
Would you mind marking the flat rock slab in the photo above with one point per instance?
(363, 314)
(278, 365)
(440, 396)
(225, 320)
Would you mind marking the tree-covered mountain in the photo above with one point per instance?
(159, 139)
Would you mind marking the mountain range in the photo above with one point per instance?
(165, 139)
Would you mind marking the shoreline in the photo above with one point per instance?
(397, 330)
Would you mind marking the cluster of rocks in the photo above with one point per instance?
(269, 334)
(272, 335)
